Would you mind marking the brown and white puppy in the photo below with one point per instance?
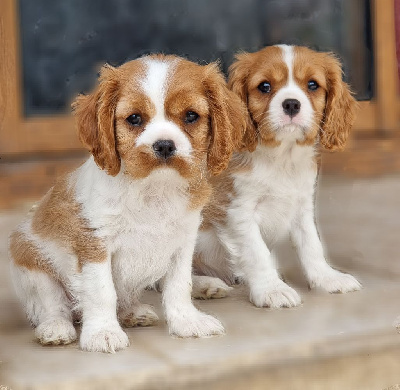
(296, 100)
(157, 128)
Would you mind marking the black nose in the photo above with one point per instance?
(164, 148)
(291, 107)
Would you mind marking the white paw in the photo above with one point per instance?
(55, 331)
(142, 315)
(207, 287)
(197, 324)
(109, 338)
(335, 282)
(275, 294)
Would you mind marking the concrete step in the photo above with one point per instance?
(329, 342)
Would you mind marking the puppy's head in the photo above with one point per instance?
(294, 92)
(161, 112)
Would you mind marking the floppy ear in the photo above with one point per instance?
(237, 82)
(340, 107)
(95, 121)
(227, 120)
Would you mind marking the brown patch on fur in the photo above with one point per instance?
(200, 193)
(340, 111)
(334, 107)
(249, 70)
(246, 74)
(58, 218)
(228, 120)
(95, 120)
(135, 103)
(215, 210)
(223, 192)
(26, 254)
(140, 161)
(310, 65)
(222, 117)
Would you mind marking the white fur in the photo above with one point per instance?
(274, 199)
(156, 82)
(46, 305)
(149, 232)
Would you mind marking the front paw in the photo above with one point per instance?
(275, 294)
(110, 338)
(197, 324)
(142, 315)
(334, 281)
(56, 331)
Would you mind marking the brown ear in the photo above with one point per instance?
(95, 121)
(227, 117)
(237, 82)
(340, 107)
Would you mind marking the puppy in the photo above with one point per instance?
(157, 128)
(296, 100)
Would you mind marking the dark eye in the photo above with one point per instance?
(264, 87)
(134, 119)
(191, 117)
(312, 85)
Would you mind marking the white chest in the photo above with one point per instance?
(275, 188)
(145, 243)
(143, 223)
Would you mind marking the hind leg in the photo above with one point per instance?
(211, 265)
(131, 312)
(137, 314)
(46, 305)
(208, 287)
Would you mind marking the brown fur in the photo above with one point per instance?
(95, 121)
(340, 111)
(26, 254)
(223, 192)
(58, 218)
(245, 75)
(228, 120)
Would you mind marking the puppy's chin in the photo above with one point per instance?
(295, 132)
(141, 162)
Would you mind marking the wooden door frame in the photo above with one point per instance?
(21, 136)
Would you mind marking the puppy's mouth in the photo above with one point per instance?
(293, 127)
(142, 161)
(289, 127)
(292, 121)
(279, 122)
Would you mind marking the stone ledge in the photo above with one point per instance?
(330, 342)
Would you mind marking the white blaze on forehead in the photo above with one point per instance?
(155, 86)
(291, 90)
(288, 57)
(156, 82)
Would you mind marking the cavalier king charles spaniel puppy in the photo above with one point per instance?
(158, 128)
(296, 101)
